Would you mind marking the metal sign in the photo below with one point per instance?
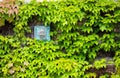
(42, 33)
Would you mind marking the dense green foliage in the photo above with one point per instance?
(79, 30)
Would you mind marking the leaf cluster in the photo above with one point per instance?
(79, 30)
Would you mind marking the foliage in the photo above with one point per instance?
(115, 76)
(79, 29)
(37, 59)
(100, 63)
(104, 76)
(8, 10)
(117, 59)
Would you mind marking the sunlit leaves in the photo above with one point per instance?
(100, 64)
(79, 30)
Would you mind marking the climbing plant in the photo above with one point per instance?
(8, 11)
(79, 30)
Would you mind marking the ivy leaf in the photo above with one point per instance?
(103, 28)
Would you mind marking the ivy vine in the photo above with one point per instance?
(79, 30)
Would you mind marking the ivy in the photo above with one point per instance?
(79, 30)
(100, 64)
(8, 11)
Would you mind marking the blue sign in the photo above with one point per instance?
(42, 33)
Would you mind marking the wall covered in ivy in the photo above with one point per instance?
(80, 31)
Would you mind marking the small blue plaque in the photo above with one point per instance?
(42, 33)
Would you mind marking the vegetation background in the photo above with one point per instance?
(81, 31)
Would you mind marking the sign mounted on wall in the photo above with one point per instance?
(42, 33)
